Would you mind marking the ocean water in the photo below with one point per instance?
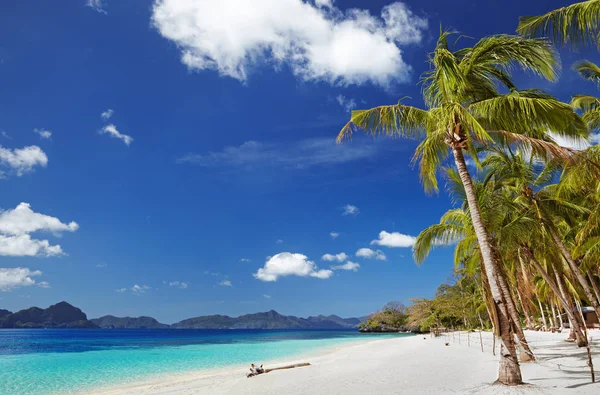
(51, 361)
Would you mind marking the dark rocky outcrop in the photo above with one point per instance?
(60, 315)
(112, 322)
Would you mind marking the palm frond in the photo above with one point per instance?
(577, 24)
(588, 70)
(433, 236)
(546, 150)
(395, 120)
(592, 119)
(585, 103)
(531, 54)
(430, 154)
(530, 112)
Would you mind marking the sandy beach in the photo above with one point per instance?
(410, 365)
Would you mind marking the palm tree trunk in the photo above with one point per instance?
(480, 321)
(509, 371)
(525, 311)
(594, 285)
(543, 315)
(527, 355)
(554, 317)
(569, 307)
(525, 282)
(487, 298)
(559, 292)
(580, 277)
(560, 319)
(551, 316)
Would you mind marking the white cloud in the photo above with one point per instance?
(302, 154)
(24, 245)
(5, 135)
(44, 284)
(105, 115)
(23, 160)
(96, 5)
(17, 277)
(324, 3)
(139, 289)
(121, 290)
(394, 239)
(347, 104)
(368, 253)
(113, 132)
(288, 264)
(341, 257)
(177, 284)
(23, 219)
(595, 138)
(101, 265)
(350, 210)
(16, 226)
(351, 266)
(334, 235)
(266, 296)
(225, 283)
(43, 133)
(318, 42)
(279, 241)
(245, 260)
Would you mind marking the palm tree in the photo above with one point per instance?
(456, 226)
(588, 105)
(466, 108)
(576, 24)
(539, 199)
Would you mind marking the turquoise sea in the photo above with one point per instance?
(50, 361)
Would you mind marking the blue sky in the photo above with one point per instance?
(219, 152)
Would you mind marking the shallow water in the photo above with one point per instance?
(47, 361)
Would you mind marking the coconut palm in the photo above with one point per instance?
(536, 198)
(456, 226)
(466, 108)
(588, 105)
(576, 24)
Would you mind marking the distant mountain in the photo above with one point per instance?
(112, 322)
(60, 315)
(334, 322)
(63, 315)
(269, 320)
(4, 313)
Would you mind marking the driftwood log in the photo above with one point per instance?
(256, 370)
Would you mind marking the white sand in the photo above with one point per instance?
(411, 365)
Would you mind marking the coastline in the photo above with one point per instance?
(406, 365)
(230, 372)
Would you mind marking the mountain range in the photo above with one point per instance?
(268, 320)
(64, 315)
(60, 315)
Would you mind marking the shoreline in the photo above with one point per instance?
(404, 365)
(235, 370)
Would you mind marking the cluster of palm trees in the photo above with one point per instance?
(528, 222)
